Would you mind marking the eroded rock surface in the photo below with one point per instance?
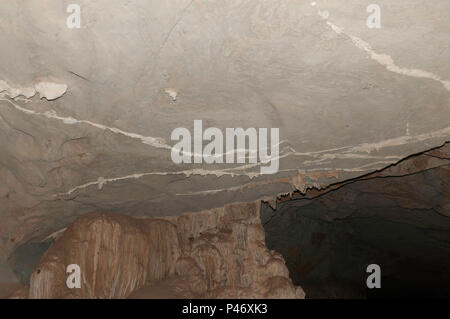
(348, 100)
(86, 115)
(219, 253)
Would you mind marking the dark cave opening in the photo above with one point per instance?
(26, 258)
(329, 241)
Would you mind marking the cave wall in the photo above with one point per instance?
(86, 120)
(86, 114)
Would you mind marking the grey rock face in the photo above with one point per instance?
(96, 135)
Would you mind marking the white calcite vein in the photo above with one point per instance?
(321, 156)
(381, 58)
(152, 141)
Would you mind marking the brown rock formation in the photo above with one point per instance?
(218, 253)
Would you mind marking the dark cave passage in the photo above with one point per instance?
(398, 223)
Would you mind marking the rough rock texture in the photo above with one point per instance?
(348, 100)
(398, 218)
(8, 282)
(216, 254)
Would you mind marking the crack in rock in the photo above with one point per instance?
(382, 58)
(101, 181)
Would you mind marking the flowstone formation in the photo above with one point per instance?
(219, 253)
